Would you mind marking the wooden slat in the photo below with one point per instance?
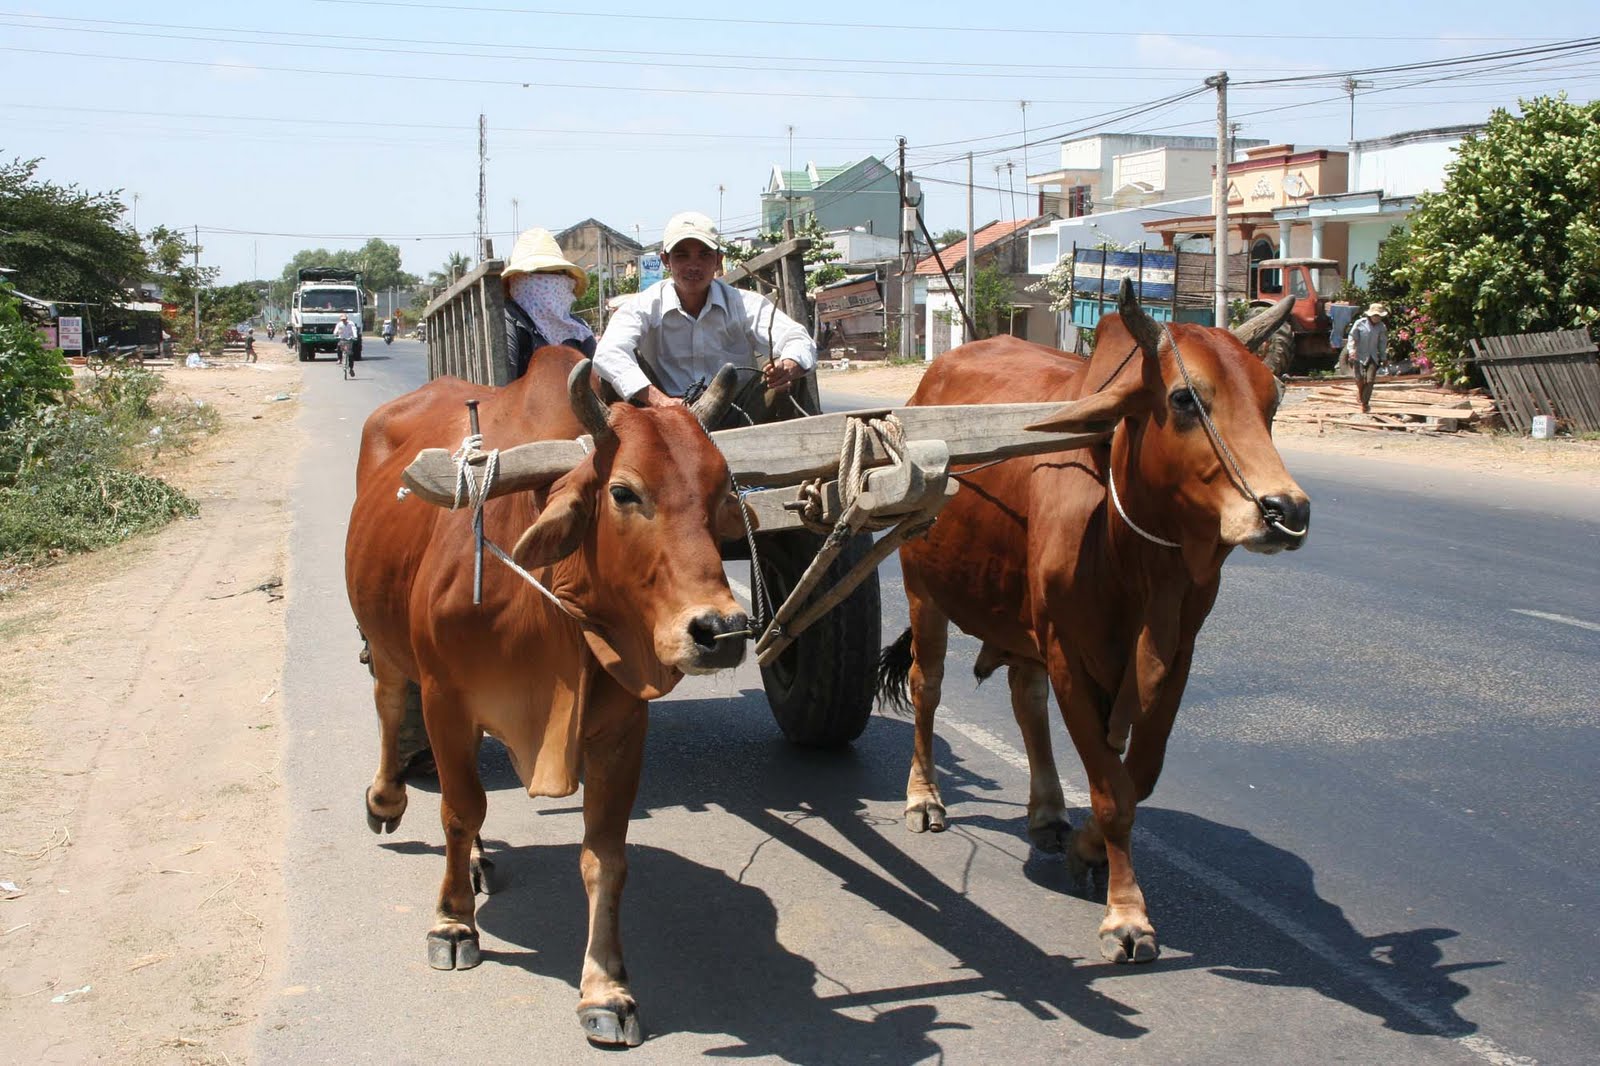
(757, 263)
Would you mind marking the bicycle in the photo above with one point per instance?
(346, 358)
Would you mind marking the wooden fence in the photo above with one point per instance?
(1543, 374)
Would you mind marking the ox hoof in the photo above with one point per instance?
(484, 877)
(1129, 943)
(1053, 837)
(379, 822)
(612, 1026)
(453, 948)
(925, 816)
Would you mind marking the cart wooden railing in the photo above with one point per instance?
(466, 328)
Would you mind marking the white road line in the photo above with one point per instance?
(1228, 888)
(1563, 619)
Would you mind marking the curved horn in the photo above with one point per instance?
(1254, 332)
(713, 403)
(1145, 330)
(585, 404)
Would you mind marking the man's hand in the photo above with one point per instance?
(654, 397)
(781, 374)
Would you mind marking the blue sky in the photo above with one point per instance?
(301, 123)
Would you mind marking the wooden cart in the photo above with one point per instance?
(816, 489)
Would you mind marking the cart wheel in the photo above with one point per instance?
(821, 689)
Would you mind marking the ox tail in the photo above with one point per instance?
(894, 675)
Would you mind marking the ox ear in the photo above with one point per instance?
(1125, 394)
(559, 529)
(1254, 332)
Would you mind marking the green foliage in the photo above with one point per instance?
(378, 261)
(31, 376)
(1511, 244)
(949, 237)
(992, 303)
(62, 243)
(621, 285)
(71, 474)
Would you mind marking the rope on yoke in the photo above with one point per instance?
(861, 435)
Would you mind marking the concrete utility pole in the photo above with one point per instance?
(197, 288)
(483, 186)
(1219, 198)
(972, 312)
(720, 190)
(908, 265)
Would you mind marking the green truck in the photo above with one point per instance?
(324, 293)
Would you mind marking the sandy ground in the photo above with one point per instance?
(140, 809)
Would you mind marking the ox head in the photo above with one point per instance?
(638, 524)
(1186, 485)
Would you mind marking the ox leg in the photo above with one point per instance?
(1147, 748)
(1126, 934)
(612, 759)
(386, 797)
(930, 635)
(1048, 827)
(453, 940)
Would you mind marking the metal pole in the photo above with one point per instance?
(1219, 197)
(972, 312)
(600, 269)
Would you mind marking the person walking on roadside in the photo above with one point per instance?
(250, 344)
(1365, 349)
(345, 334)
(680, 331)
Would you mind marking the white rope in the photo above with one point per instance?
(529, 578)
(1152, 538)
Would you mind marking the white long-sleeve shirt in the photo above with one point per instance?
(346, 331)
(653, 328)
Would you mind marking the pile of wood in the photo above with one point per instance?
(1410, 405)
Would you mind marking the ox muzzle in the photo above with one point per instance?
(713, 641)
(1284, 523)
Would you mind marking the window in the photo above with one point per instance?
(1079, 202)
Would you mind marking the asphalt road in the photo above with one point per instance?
(1371, 844)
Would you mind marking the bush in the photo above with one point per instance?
(71, 474)
(31, 376)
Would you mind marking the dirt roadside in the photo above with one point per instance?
(140, 809)
(141, 815)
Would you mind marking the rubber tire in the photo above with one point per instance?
(355, 355)
(821, 690)
(306, 354)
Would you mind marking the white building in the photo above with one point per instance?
(1387, 174)
(1088, 177)
(1048, 244)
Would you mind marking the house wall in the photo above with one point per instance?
(1406, 164)
(582, 246)
(1048, 243)
(1173, 173)
(856, 247)
(866, 195)
(1272, 178)
(1364, 239)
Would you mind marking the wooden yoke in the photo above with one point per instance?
(779, 453)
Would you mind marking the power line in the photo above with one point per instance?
(1574, 44)
(1028, 31)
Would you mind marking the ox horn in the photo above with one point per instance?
(1145, 330)
(585, 404)
(713, 403)
(1254, 332)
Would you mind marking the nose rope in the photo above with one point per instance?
(1268, 515)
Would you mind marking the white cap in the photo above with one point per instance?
(691, 226)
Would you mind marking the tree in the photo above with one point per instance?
(31, 375)
(378, 261)
(949, 237)
(1511, 244)
(63, 243)
(992, 302)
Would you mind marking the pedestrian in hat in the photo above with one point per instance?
(682, 329)
(1365, 349)
(541, 287)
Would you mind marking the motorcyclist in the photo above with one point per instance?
(388, 330)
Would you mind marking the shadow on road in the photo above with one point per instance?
(704, 949)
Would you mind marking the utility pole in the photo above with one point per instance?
(788, 193)
(1219, 199)
(1350, 86)
(197, 288)
(908, 265)
(1024, 105)
(720, 190)
(972, 313)
(1011, 179)
(600, 269)
(516, 219)
(135, 214)
(483, 185)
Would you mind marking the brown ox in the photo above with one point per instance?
(1034, 558)
(627, 542)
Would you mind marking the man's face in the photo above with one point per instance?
(693, 266)
(1375, 319)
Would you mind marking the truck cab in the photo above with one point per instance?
(324, 293)
(1307, 280)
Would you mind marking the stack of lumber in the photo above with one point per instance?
(1403, 406)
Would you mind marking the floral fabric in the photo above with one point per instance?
(547, 298)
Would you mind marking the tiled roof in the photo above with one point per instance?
(829, 173)
(796, 180)
(955, 256)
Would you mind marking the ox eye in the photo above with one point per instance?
(622, 495)
(1184, 402)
